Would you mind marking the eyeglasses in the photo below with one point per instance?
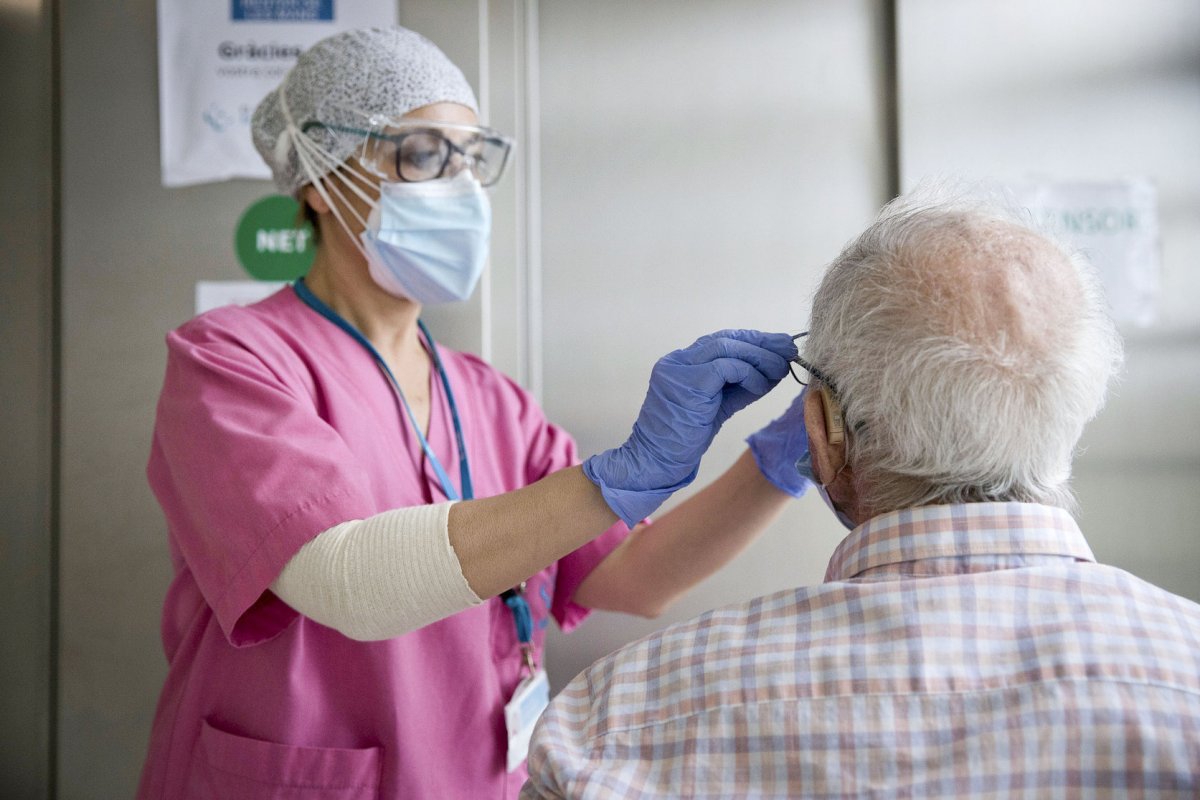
(421, 150)
(810, 369)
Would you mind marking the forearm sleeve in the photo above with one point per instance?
(379, 577)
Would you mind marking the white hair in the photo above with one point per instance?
(968, 351)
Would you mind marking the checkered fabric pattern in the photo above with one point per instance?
(953, 651)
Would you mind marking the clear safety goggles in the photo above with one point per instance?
(422, 150)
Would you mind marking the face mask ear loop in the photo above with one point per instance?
(332, 165)
(349, 179)
(332, 187)
(306, 150)
(826, 484)
(318, 183)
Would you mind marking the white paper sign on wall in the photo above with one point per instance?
(218, 59)
(214, 294)
(1115, 224)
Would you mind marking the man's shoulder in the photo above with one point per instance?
(798, 642)
(692, 666)
(1143, 598)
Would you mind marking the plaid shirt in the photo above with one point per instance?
(957, 651)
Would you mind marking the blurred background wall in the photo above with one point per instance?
(684, 165)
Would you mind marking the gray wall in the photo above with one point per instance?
(27, 374)
(683, 166)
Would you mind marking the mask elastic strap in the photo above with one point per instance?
(845, 462)
(306, 152)
(334, 187)
(335, 167)
(835, 476)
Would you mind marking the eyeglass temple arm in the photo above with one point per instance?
(810, 369)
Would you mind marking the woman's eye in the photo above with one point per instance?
(421, 157)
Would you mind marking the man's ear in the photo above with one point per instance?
(826, 433)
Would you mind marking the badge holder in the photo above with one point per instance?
(532, 694)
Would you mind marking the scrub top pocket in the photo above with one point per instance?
(231, 767)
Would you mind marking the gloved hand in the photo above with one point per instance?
(779, 445)
(692, 392)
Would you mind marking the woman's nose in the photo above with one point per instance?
(458, 162)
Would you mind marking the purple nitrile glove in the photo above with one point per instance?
(779, 445)
(692, 392)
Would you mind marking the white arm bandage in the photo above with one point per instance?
(379, 577)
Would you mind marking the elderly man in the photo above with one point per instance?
(964, 642)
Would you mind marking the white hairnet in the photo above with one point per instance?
(342, 80)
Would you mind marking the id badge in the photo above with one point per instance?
(522, 713)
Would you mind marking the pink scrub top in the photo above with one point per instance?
(273, 426)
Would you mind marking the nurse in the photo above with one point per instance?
(369, 531)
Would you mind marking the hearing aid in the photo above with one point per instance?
(835, 426)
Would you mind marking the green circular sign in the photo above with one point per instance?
(272, 240)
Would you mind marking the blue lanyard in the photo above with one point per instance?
(513, 598)
(468, 493)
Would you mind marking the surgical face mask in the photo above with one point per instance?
(805, 468)
(428, 241)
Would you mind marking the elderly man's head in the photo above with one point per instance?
(967, 351)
